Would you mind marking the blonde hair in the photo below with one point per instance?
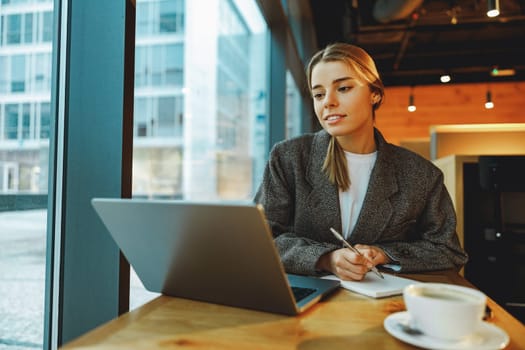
(363, 65)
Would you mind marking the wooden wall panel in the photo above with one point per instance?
(448, 104)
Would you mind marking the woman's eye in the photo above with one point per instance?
(344, 88)
(318, 95)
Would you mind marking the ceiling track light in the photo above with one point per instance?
(492, 8)
(488, 102)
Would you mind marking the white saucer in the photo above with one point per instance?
(488, 336)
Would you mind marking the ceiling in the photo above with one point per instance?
(413, 41)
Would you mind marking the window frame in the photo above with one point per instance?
(80, 252)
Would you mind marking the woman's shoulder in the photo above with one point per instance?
(407, 154)
(301, 152)
(301, 142)
(397, 155)
(410, 161)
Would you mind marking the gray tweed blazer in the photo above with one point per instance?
(407, 210)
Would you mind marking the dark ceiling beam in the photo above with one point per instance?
(404, 42)
(441, 27)
(522, 6)
(329, 17)
(426, 76)
(276, 17)
(460, 54)
(437, 71)
(300, 17)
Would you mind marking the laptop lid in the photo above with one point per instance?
(215, 252)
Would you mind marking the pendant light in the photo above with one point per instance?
(411, 105)
(492, 8)
(488, 101)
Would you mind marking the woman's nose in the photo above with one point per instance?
(330, 99)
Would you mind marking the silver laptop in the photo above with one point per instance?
(215, 252)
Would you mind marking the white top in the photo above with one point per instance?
(359, 167)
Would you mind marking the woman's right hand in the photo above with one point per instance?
(345, 264)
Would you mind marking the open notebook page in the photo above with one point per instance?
(376, 287)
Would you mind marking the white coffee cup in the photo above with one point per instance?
(444, 311)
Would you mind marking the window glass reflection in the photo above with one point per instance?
(25, 119)
(13, 29)
(200, 102)
(293, 107)
(18, 69)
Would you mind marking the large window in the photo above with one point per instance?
(25, 120)
(201, 131)
(200, 101)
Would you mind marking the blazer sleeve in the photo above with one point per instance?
(277, 194)
(434, 244)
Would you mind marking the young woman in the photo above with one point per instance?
(389, 202)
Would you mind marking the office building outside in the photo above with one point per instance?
(25, 80)
(200, 98)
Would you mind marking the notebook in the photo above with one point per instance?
(374, 286)
(209, 251)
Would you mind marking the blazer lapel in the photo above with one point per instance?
(377, 209)
(323, 200)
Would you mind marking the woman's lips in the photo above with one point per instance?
(334, 118)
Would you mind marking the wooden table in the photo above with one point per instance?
(344, 320)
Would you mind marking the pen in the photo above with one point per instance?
(349, 246)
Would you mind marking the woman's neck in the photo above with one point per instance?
(358, 143)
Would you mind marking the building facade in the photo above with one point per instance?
(200, 109)
(25, 80)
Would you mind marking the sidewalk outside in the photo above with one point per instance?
(22, 280)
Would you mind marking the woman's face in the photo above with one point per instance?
(342, 102)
